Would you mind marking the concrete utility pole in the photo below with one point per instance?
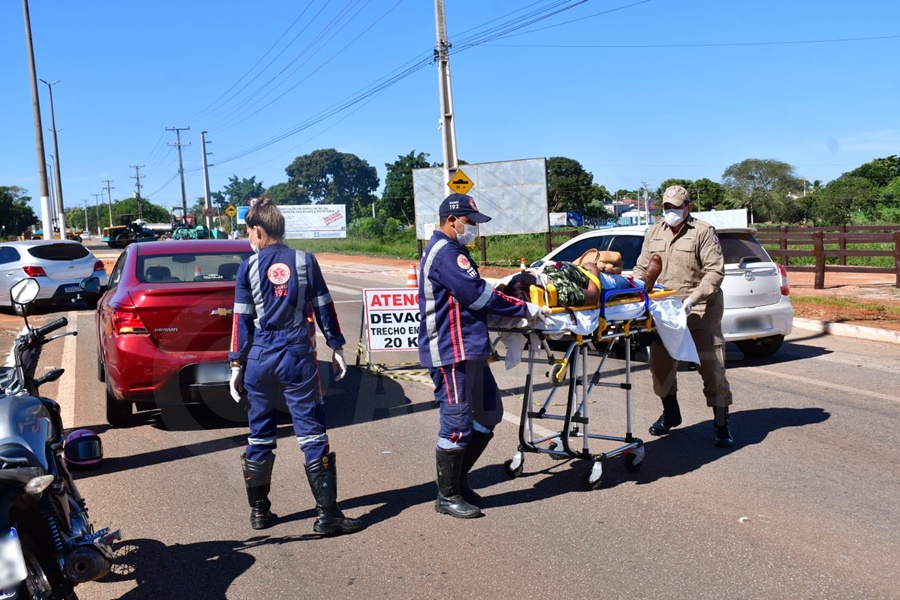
(203, 143)
(646, 205)
(60, 207)
(86, 228)
(97, 206)
(178, 144)
(46, 224)
(137, 186)
(448, 127)
(109, 196)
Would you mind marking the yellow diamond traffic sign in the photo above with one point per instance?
(231, 210)
(460, 183)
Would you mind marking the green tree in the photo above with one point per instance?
(569, 187)
(879, 172)
(837, 201)
(397, 200)
(761, 185)
(237, 192)
(16, 216)
(127, 208)
(332, 177)
(707, 194)
(285, 193)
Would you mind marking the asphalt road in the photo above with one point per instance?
(805, 504)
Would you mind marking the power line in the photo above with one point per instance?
(703, 45)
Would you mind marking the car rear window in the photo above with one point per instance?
(742, 248)
(58, 251)
(183, 268)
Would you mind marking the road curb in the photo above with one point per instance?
(854, 331)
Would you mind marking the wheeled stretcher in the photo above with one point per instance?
(620, 315)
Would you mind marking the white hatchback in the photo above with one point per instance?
(758, 312)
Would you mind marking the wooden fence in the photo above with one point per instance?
(830, 243)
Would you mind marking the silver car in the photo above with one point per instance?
(758, 312)
(57, 265)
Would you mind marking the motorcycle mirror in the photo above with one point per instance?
(25, 291)
(90, 284)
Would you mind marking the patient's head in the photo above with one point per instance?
(519, 284)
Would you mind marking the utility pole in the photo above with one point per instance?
(109, 196)
(137, 185)
(646, 204)
(203, 143)
(97, 206)
(448, 127)
(178, 144)
(60, 207)
(38, 132)
(86, 228)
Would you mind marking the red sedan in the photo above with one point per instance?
(164, 324)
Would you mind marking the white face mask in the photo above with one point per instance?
(674, 216)
(468, 235)
(254, 247)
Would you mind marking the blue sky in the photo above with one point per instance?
(636, 91)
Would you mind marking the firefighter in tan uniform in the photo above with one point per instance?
(693, 265)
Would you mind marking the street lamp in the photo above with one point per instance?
(59, 197)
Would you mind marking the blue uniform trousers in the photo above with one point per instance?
(288, 371)
(468, 398)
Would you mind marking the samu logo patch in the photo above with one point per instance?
(278, 274)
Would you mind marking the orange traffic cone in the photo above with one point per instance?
(412, 280)
(522, 264)
(197, 272)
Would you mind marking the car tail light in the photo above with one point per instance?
(34, 271)
(785, 286)
(98, 266)
(127, 320)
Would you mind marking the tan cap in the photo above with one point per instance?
(676, 195)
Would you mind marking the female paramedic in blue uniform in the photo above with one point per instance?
(273, 356)
(454, 302)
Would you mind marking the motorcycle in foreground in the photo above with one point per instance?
(47, 543)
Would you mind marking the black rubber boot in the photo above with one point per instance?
(258, 480)
(450, 500)
(474, 451)
(322, 477)
(670, 418)
(723, 437)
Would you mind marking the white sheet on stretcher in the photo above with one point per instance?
(665, 312)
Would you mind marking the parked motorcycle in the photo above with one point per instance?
(47, 542)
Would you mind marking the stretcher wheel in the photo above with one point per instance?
(558, 374)
(593, 480)
(634, 459)
(515, 465)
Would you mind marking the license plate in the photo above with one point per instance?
(12, 562)
(751, 325)
(213, 373)
(71, 289)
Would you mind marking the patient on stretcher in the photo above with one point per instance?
(576, 285)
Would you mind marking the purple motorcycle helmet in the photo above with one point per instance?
(83, 449)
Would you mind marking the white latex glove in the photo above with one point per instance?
(688, 305)
(536, 312)
(237, 383)
(339, 364)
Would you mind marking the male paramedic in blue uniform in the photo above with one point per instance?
(278, 291)
(454, 302)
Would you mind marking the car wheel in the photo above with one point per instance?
(762, 347)
(118, 414)
(101, 372)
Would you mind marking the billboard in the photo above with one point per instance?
(307, 221)
(513, 193)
